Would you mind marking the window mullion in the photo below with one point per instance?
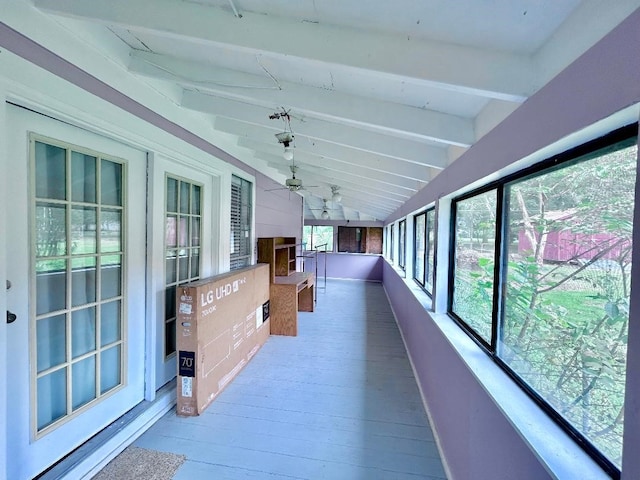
(500, 264)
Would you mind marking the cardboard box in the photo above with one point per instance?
(222, 322)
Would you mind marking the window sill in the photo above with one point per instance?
(552, 446)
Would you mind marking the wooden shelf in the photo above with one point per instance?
(290, 291)
(279, 253)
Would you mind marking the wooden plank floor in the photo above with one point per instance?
(339, 401)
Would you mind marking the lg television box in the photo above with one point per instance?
(222, 322)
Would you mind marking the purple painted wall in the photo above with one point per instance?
(278, 211)
(352, 266)
(477, 440)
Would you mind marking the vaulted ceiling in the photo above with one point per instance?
(380, 96)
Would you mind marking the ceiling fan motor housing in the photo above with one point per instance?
(293, 183)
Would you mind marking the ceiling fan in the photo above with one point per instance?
(325, 209)
(293, 184)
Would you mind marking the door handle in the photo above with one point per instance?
(11, 317)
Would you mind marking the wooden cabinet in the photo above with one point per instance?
(279, 253)
(288, 296)
(290, 291)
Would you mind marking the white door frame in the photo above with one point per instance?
(26, 455)
(4, 200)
(160, 166)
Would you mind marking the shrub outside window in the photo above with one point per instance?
(475, 228)
(402, 230)
(391, 244)
(559, 322)
(424, 249)
(318, 237)
(431, 250)
(419, 246)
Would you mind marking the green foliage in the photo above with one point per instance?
(564, 325)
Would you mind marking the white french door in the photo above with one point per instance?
(76, 262)
(183, 209)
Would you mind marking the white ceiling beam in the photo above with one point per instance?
(363, 187)
(323, 104)
(373, 179)
(380, 117)
(263, 129)
(466, 70)
(342, 158)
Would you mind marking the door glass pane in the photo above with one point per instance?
(87, 238)
(195, 264)
(195, 232)
(111, 183)
(171, 231)
(52, 397)
(83, 230)
(83, 381)
(185, 197)
(182, 241)
(195, 200)
(83, 178)
(172, 195)
(51, 171)
(111, 231)
(110, 368)
(83, 280)
(83, 331)
(170, 302)
(183, 233)
(111, 276)
(171, 267)
(183, 267)
(51, 285)
(51, 341)
(51, 234)
(110, 323)
(170, 336)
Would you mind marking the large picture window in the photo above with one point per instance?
(559, 321)
(318, 237)
(360, 240)
(241, 211)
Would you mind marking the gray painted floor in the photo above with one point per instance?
(339, 401)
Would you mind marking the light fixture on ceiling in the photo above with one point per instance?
(286, 138)
(335, 194)
(324, 215)
(288, 154)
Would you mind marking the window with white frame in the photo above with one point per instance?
(241, 212)
(541, 265)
